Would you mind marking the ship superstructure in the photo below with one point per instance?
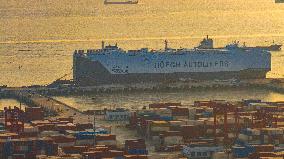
(111, 64)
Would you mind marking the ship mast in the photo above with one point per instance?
(166, 45)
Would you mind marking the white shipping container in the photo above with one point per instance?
(255, 131)
(192, 111)
(220, 139)
(49, 133)
(220, 155)
(85, 142)
(158, 128)
(106, 142)
(177, 123)
(200, 122)
(192, 122)
(173, 140)
(254, 142)
(231, 121)
(209, 122)
(71, 132)
(278, 131)
(241, 120)
(231, 135)
(2, 120)
(66, 144)
(209, 131)
(253, 106)
(188, 150)
(180, 117)
(265, 139)
(243, 137)
(23, 148)
(218, 130)
(155, 140)
(163, 112)
(30, 129)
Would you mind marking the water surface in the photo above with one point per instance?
(40, 36)
(136, 100)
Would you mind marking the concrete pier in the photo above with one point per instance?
(192, 85)
(51, 106)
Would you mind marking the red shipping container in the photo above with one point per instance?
(135, 144)
(257, 155)
(100, 148)
(63, 139)
(102, 137)
(70, 119)
(19, 156)
(66, 127)
(163, 105)
(180, 112)
(191, 131)
(28, 134)
(264, 148)
(112, 154)
(135, 156)
(81, 127)
(171, 133)
(46, 127)
(75, 149)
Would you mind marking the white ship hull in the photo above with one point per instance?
(116, 66)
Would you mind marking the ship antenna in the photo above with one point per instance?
(166, 44)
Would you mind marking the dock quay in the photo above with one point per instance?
(192, 85)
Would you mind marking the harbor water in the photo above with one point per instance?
(137, 100)
(37, 38)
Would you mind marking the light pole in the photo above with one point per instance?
(94, 128)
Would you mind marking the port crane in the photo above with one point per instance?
(59, 81)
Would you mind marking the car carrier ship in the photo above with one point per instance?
(112, 65)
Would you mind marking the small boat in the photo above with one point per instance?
(279, 1)
(207, 43)
(273, 47)
(121, 2)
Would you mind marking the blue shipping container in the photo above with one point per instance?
(138, 152)
(166, 118)
(241, 152)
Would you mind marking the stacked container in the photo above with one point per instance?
(135, 147)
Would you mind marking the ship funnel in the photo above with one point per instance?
(103, 44)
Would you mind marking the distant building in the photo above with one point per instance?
(200, 152)
(119, 114)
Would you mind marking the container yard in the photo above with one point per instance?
(217, 129)
(26, 137)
